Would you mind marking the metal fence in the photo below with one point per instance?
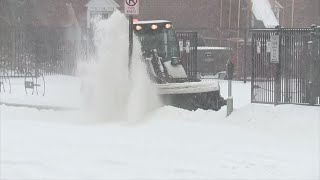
(188, 52)
(314, 67)
(50, 51)
(289, 80)
(36, 49)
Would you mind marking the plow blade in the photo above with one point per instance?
(192, 95)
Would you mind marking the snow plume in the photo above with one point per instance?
(110, 92)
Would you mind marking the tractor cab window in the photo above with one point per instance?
(163, 40)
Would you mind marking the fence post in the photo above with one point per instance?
(195, 54)
(277, 80)
(313, 55)
(12, 50)
(253, 39)
(244, 68)
(317, 65)
(309, 85)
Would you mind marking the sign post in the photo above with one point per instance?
(131, 7)
(229, 71)
(130, 41)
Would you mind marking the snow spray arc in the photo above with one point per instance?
(109, 92)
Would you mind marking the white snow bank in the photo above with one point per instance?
(255, 142)
(60, 91)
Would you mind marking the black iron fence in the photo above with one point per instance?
(37, 49)
(314, 66)
(188, 52)
(285, 66)
(34, 51)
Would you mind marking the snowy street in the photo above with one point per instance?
(255, 142)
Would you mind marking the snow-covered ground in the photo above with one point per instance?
(60, 91)
(255, 142)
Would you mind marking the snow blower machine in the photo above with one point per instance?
(161, 53)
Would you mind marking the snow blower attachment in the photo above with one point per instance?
(162, 57)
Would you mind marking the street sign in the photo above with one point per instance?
(258, 47)
(131, 7)
(188, 46)
(181, 45)
(274, 49)
(269, 46)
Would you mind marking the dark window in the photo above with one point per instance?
(164, 40)
(104, 15)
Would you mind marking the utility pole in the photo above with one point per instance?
(131, 7)
(221, 6)
(239, 13)
(292, 13)
(229, 71)
(247, 27)
(230, 14)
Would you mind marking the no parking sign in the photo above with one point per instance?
(131, 7)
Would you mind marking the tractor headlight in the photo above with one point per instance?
(138, 28)
(154, 26)
(168, 26)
